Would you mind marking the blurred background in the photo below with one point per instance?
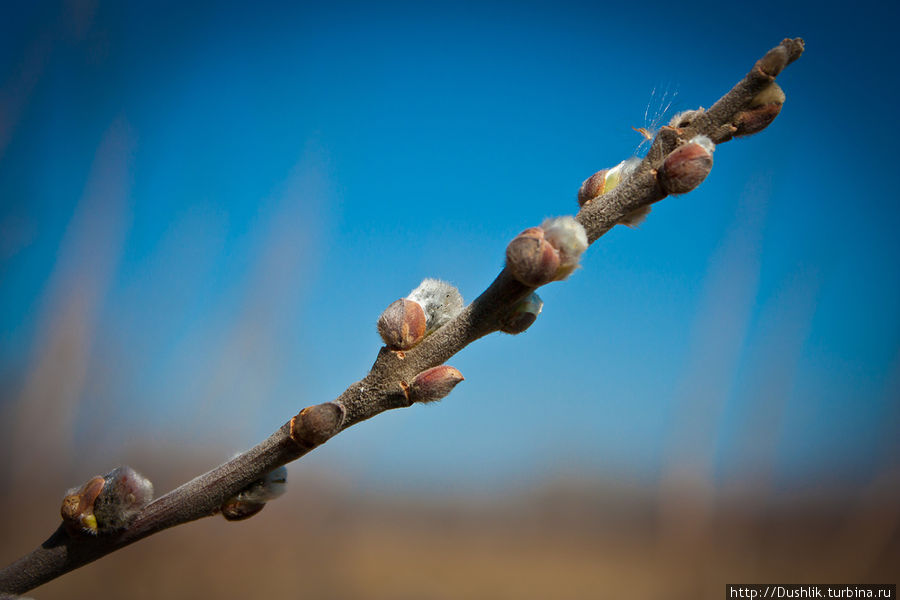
(204, 207)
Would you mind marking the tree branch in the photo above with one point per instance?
(386, 386)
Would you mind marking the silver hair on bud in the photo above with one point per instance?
(253, 498)
(125, 494)
(440, 300)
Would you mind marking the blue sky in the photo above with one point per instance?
(205, 207)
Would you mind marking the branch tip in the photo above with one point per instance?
(776, 59)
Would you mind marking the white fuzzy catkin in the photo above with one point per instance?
(568, 237)
(440, 300)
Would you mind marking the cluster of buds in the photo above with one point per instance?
(547, 253)
(687, 166)
(606, 180)
(433, 384)
(522, 314)
(407, 321)
(107, 503)
(762, 110)
(253, 498)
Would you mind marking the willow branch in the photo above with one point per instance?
(387, 384)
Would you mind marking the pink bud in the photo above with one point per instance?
(687, 166)
(402, 324)
(434, 384)
(531, 259)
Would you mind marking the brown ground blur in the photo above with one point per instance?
(567, 540)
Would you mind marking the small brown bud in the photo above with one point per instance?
(687, 166)
(77, 509)
(106, 504)
(756, 119)
(762, 110)
(592, 187)
(531, 258)
(434, 384)
(522, 315)
(606, 180)
(238, 510)
(402, 324)
(315, 425)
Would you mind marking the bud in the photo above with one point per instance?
(402, 324)
(315, 425)
(522, 315)
(253, 498)
(592, 187)
(606, 180)
(434, 384)
(764, 107)
(570, 240)
(771, 94)
(547, 253)
(531, 259)
(687, 166)
(752, 121)
(125, 494)
(77, 509)
(106, 504)
(440, 301)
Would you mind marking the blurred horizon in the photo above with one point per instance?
(205, 207)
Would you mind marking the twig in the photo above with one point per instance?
(387, 384)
